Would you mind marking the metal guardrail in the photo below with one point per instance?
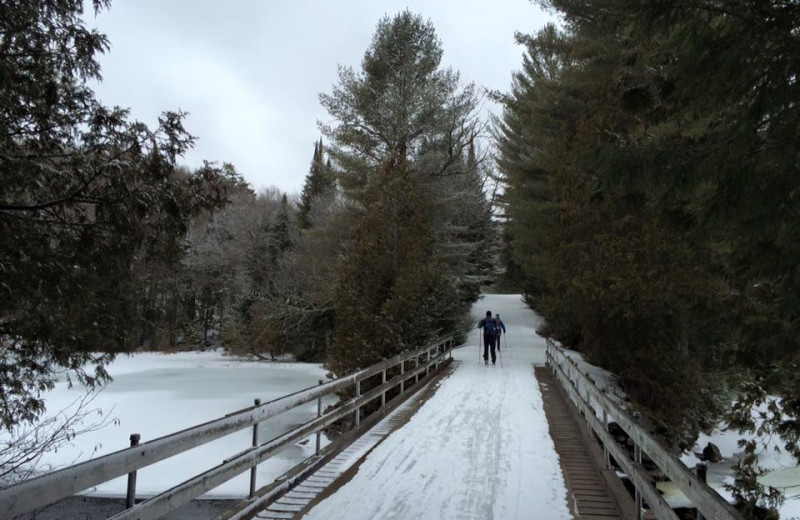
(583, 392)
(46, 489)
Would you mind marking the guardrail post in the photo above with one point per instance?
(428, 362)
(637, 458)
(358, 408)
(319, 414)
(402, 380)
(130, 497)
(606, 455)
(253, 470)
(383, 394)
(588, 411)
(702, 473)
(416, 367)
(690, 481)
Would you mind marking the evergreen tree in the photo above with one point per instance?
(281, 234)
(403, 123)
(469, 238)
(651, 152)
(87, 198)
(605, 266)
(320, 183)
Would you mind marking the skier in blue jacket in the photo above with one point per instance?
(501, 328)
(490, 328)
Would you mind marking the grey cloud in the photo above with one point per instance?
(249, 72)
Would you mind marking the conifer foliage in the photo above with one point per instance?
(106, 245)
(404, 126)
(89, 199)
(651, 153)
(320, 185)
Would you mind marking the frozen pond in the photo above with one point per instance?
(156, 394)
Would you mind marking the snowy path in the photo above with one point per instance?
(479, 448)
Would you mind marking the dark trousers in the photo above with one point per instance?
(488, 343)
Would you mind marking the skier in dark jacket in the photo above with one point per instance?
(501, 329)
(489, 326)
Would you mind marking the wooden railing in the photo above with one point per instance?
(590, 399)
(46, 489)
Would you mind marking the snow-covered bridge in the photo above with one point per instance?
(478, 448)
(486, 445)
(445, 440)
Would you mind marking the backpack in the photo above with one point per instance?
(489, 327)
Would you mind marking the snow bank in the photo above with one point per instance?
(784, 473)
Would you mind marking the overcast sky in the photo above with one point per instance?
(249, 72)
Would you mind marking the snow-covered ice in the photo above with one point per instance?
(782, 468)
(157, 394)
(479, 448)
(783, 471)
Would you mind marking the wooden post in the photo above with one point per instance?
(702, 473)
(637, 459)
(589, 410)
(383, 394)
(402, 380)
(428, 363)
(358, 408)
(319, 414)
(606, 455)
(416, 366)
(253, 470)
(549, 357)
(130, 498)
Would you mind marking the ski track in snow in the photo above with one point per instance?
(479, 448)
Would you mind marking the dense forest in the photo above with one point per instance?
(651, 154)
(108, 245)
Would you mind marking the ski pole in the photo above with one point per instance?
(501, 356)
(479, 348)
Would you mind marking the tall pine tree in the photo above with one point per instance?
(320, 183)
(91, 206)
(403, 123)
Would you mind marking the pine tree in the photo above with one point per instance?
(391, 293)
(281, 234)
(320, 183)
(89, 202)
(469, 237)
(403, 126)
(651, 155)
(604, 265)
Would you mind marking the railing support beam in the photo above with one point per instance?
(254, 469)
(130, 496)
(319, 414)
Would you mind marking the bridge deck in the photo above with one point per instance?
(590, 496)
(479, 448)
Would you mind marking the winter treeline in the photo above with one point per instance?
(387, 246)
(108, 245)
(651, 154)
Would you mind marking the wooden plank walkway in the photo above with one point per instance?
(297, 501)
(590, 497)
